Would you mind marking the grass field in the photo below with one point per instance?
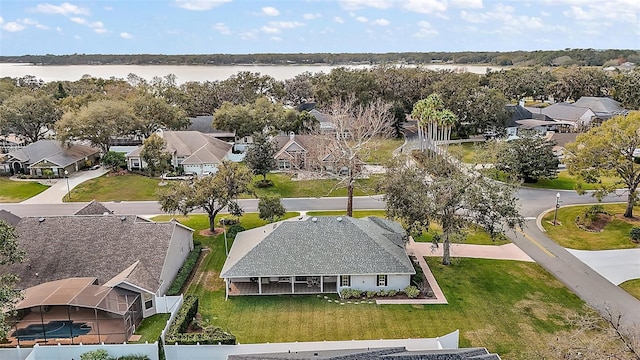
(384, 152)
(129, 187)
(134, 187)
(565, 181)
(505, 306)
(151, 327)
(615, 235)
(17, 191)
(632, 287)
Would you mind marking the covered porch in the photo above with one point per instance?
(281, 285)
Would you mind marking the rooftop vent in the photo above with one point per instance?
(41, 219)
(123, 218)
(339, 219)
(314, 219)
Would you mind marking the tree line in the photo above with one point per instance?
(582, 57)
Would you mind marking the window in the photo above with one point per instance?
(345, 280)
(148, 301)
(382, 280)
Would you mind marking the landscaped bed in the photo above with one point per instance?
(506, 306)
(614, 232)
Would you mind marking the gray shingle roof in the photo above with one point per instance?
(600, 105)
(93, 208)
(376, 354)
(101, 246)
(198, 148)
(9, 217)
(54, 152)
(565, 111)
(327, 246)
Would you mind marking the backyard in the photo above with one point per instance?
(506, 306)
(17, 191)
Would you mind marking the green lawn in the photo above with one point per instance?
(614, 236)
(565, 181)
(287, 188)
(129, 187)
(467, 152)
(384, 152)
(17, 191)
(151, 327)
(632, 287)
(505, 306)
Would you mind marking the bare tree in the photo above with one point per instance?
(356, 131)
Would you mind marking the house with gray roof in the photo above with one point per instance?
(604, 107)
(51, 155)
(124, 251)
(579, 117)
(399, 353)
(322, 254)
(196, 152)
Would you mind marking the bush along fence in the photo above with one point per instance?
(185, 271)
(347, 293)
(201, 333)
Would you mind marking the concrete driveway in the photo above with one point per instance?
(616, 266)
(57, 191)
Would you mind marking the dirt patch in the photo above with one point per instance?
(207, 232)
(534, 306)
(634, 220)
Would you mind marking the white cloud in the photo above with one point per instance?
(200, 5)
(13, 26)
(270, 29)
(425, 30)
(31, 22)
(310, 16)
(362, 19)
(359, 4)
(65, 9)
(126, 35)
(467, 4)
(222, 28)
(108, 8)
(248, 35)
(381, 22)
(286, 24)
(275, 38)
(270, 11)
(338, 19)
(425, 6)
(58, 29)
(1, 20)
(97, 26)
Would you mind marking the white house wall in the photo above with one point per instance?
(370, 282)
(200, 169)
(179, 247)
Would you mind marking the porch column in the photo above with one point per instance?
(321, 283)
(226, 289)
(293, 284)
(259, 285)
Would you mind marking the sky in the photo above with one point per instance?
(313, 26)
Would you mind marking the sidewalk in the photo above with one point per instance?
(59, 190)
(503, 252)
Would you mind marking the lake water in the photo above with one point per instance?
(185, 73)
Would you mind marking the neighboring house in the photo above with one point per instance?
(196, 152)
(52, 155)
(604, 107)
(523, 118)
(204, 124)
(9, 143)
(318, 255)
(389, 353)
(303, 152)
(97, 267)
(579, 117)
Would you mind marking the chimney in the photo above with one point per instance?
(292, 135)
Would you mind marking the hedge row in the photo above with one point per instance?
(209, 335)
(185, 271)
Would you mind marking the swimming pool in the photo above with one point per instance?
(51, 330)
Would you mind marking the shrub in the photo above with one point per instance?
(100, 354)
(383, 293)
(185, 271)
(210, 335)
(348, 293)
(592, 212)
(393, 293)
(411, 292)
(634, 234)
(371, 294)
(261, 184)
(234, 230)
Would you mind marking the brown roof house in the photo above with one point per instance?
(53, 155)
(323, 254)
(94, 276)
(196, 152)
(304, 152)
